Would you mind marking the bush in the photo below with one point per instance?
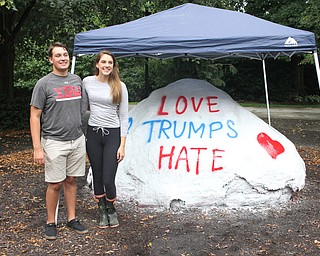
(14, 114)
(31, 64)
(309, 99)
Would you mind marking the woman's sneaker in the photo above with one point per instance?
(50, 231)
(77, 226)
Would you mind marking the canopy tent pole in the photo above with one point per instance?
(57, 212)
(316, 62)
(266, 89)
(73, 64)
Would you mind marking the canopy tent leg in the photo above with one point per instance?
(316, 62)
(73, 64)
(57, 212)
(266, 89)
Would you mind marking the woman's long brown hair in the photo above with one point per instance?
(114, 77)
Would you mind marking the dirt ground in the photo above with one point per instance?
(292, 229)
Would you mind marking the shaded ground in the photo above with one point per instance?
(293, 229)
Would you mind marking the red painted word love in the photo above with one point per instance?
(182, 104)
(273, 147)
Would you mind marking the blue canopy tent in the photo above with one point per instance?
(197, 31)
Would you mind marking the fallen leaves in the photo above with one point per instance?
(20, 162)
(310, 155)
(293, 229)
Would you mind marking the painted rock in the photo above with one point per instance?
(191, 142)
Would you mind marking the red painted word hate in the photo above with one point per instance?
(181, 156)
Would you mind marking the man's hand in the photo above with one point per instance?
(38, 156)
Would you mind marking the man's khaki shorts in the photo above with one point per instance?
(64, 158)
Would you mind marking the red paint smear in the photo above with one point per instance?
(273, 147)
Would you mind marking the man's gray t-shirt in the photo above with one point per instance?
(59, 98)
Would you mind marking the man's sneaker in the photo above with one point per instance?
(77, 226)
(50, 231)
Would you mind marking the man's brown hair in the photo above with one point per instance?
(56, 44)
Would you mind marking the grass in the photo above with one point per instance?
(278, 105)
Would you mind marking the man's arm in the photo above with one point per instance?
(35, 115)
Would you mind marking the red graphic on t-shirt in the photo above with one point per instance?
(68, 92)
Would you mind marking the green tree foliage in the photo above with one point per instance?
(32, 63)
(132, 72)
(286, 12)
(39, 22)
(311, 18)
(8, 4)
(33, 24)
(27, 27)
(57, 21)
(293, 13)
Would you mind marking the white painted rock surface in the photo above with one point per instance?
(190, 144)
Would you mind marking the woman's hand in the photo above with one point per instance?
(120, 154)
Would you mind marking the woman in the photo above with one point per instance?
(106, 133)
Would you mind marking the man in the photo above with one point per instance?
(57, 137)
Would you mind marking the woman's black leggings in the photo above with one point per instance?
(102, 147)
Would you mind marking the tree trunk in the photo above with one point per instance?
(147, 88)
(298, 71)
(9, 30)
(7, 51)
